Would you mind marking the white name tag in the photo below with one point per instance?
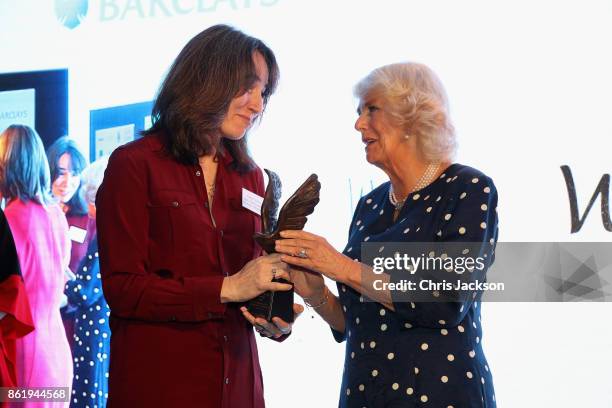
(77, 234)
(251, 201)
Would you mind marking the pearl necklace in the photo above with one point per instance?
(424, 181)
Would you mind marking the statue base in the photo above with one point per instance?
(273, 304)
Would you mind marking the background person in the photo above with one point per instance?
(41, 239)
(91, 342)
(66, 163)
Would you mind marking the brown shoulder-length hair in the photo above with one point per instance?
(24, 170)
(214, 67)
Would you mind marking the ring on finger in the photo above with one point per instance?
(302, 254)
(273, 273)
(266, 332)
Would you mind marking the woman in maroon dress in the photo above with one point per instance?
(177, 255)
(66, 164)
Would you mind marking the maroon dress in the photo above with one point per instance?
(163, 259)
(77, 253)
(79, 249)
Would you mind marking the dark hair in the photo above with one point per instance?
(214, 67)
(64, 145)
(24, 171)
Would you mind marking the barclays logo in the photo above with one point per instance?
(71, 13)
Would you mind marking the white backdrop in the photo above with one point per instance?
(529, 84)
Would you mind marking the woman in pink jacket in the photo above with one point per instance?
(40, 231)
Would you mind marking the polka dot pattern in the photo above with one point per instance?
(91, 339)
(418, 352)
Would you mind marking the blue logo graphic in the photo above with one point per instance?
(71, 12)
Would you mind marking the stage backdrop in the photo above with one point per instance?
(529, 84)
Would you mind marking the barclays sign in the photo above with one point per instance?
(71, 13)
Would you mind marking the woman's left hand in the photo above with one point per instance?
(277, 327)
(313, 252)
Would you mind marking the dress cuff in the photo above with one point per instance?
(207, 297)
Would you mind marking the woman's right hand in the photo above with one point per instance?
(255, 278)
(307, 284)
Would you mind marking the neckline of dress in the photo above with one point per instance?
(437, 180)
(424, 189)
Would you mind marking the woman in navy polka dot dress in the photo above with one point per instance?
(402, 353)
(91, 330)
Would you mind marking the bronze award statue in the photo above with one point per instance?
(292, 217)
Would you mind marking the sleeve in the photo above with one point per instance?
(341, 336)
(17, 321)
(131, 288)
(86, 289)
(338, 336)
(17, 318)
(468, 229)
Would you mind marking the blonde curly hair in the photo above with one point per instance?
(91, 178)
(415, 99)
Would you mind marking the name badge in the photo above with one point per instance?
(77, 234)
(251, 201)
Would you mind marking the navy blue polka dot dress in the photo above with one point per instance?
(422, 354)
(91, 334)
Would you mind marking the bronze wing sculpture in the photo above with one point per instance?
(293, 215)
